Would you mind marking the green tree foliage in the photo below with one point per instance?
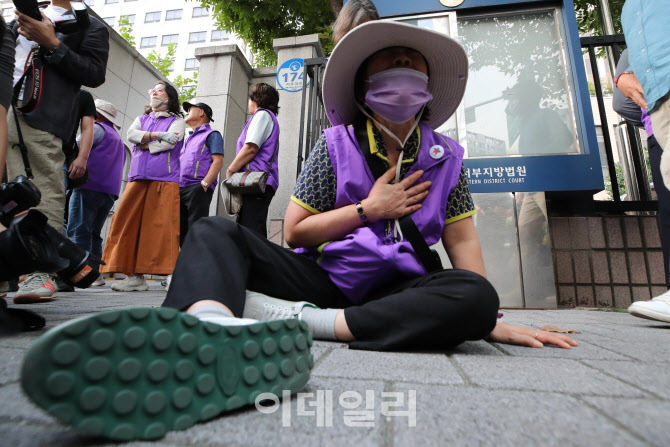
(588, 17)
(163, 63)
(126, 30)
(185, 86)
(259, 22)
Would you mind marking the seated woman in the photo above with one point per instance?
(355, 261)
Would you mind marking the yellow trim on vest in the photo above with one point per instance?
(169, 167)
(460, 217)
(198, 163)
(320, 250)
(375, 151)
(304, 205)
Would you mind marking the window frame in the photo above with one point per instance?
(199, 8)
(196, 64)
(149, 46)
(152, 21)
(190, 35)
(181, 14)
(226, 35)
(163, 44)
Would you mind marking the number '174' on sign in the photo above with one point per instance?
(290, 75)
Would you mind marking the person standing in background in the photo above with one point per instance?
(658, 308)
(200, 162)
(257, 150)
(68, 62)
(6, 67)
(76, 158)
(144, 234)
(91, 202)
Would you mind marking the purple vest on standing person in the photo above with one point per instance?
(368, 258)
(105, 163)
(262, 159)
(163, 166)
(195, 158)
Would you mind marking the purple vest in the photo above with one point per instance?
(262, 159)
(163, 166)
(195, 158)
(367, 259)
(105, 163)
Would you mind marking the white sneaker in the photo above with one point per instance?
(655, 309)
(264, 308)
(99, 282)
(168, 280)
(131, 284)
(36, 288)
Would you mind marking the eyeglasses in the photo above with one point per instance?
(156, 90)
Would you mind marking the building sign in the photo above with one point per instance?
(290, 75)
(451, 3)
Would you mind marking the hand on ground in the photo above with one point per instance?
(534, 338)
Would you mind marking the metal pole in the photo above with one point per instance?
(303, 110)
(603, 125)
(607, 30)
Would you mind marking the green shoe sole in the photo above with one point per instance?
(139, 373)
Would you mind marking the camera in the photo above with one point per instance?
(29, 244)
(74, 20)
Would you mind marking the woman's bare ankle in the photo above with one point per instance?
(202, 303)
(342, 332)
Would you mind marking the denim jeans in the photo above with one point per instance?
(87, 214)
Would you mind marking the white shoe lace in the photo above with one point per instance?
(664, 297)
(35, 280)
(272, 312)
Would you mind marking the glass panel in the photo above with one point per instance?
(440, 24)
(449, 128)
(496, 228)
(536, 260)
(516, 101)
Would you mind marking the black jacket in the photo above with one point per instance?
(80, 59)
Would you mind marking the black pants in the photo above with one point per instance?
(254, 211)
(655, 152)
(221, 259)
(194, 204)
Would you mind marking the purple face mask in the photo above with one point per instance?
(397, 94)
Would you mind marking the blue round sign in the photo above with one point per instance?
(290, 75)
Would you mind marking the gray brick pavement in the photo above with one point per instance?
(614, 389)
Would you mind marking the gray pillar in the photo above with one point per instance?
(223, 81)
(304, 47)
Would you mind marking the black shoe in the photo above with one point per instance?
(63, 286)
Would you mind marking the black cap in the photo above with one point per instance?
(201, 105)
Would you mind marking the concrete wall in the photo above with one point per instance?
(304, 47)
(224, 85)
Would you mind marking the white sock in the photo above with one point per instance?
(219, 315)
(321, 322)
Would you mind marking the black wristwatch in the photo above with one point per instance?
(361, 213)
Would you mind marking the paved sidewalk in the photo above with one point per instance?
(613, 390)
